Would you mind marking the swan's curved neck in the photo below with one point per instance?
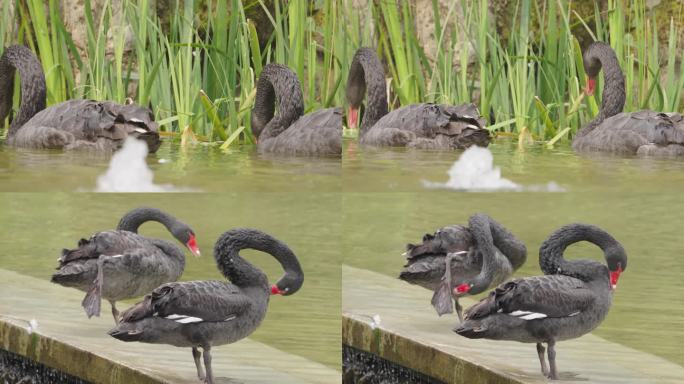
(480, 228)
(33, 88)
(551, 258)
(277, 83)
(132, 220)
(511, 247)
(600, 55)
(366, 75)
(241, 272)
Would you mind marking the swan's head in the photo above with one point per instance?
(183, 233)
(355, 92)
(592, 59)
(616, 258)
(258, 125)
(288, 284)
(471, 287)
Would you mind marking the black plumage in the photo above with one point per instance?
(121, 264)
(450, 261)
(569, 301)
(425, 126)
(290, 132)
(636, 133)
(209, 313)
(71, 125)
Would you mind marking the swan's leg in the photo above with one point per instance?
(207, 365)
(447, 274)
(196, 354)
(41, 137)
(459, 310)
(542, 359)
(115, 312)
(553, 372)
(91, 302)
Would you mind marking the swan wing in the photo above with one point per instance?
(535, 298)
(104, 243)
(191, 302)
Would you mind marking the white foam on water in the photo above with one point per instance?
(474, 171)
(128, 171)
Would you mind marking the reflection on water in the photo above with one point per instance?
(307, 323)
(401, 169)
(196, 167)
(647, 312)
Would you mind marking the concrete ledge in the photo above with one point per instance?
(412, 335)
(78, 362)
(68, 341)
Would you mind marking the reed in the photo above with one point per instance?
(200, 78)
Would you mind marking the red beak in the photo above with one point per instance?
(614, 276)
(352, 118)
(276, 291)
(591, 86)
(192, 246)
(461, 289)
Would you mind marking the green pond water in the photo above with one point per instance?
(202, 168)
(648, 309)
(401, 169)
(38, 226)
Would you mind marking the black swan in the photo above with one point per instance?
(450, 261)
(288, 132)
(569, 301)
(121, 264)
(73, 124)
(209, 313)
(641, 133)
(426, 126)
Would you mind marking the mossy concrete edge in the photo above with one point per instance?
(68, 358)
(420, 357)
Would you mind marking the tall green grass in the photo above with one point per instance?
(198, 75)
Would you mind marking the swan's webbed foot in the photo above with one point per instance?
(196, 355)
(441, 299)
(91, 302)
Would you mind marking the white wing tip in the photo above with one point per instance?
(183, 319)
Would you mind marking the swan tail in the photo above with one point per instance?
(471, 329)
(139, 311)
(74, 274)
(126, 332)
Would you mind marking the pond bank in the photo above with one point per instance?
(66, 340)
(410, 334)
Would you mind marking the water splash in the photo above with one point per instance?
(128, 171)
(475, 171)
